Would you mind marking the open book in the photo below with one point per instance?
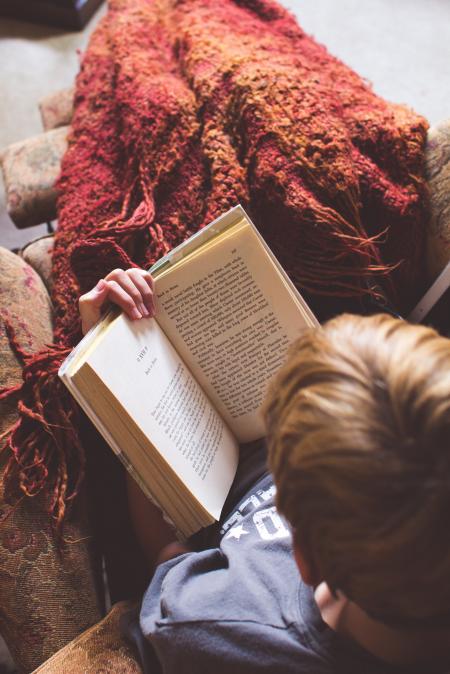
(174, 395)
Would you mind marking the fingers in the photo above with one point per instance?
(138, 285)
(131, 290)
(142, 292)
(118, 295)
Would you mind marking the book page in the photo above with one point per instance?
(231, 316)
(148, 378)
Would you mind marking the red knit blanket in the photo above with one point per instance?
(184, 108)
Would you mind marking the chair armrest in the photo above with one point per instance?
(101, 648)
(30, 169)
(437, 158)
(48, 595)
(38, 254)
(57, 109)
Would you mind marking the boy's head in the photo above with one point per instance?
(358, 424)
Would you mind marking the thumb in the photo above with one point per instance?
(90, 305)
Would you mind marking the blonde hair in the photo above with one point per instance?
(358, 424)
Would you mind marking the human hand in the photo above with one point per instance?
(131, 290)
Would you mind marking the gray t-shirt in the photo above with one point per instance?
(241, 607)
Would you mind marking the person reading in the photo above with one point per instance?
(337, 560)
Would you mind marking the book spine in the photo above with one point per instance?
(198, 239)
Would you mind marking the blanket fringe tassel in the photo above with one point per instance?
(44, 446)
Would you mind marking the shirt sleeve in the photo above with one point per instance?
(175, 592)
(179, 607)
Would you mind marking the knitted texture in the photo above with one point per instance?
(185, 108)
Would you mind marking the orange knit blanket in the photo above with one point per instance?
(184, 108)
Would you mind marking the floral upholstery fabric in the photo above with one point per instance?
(438, 174)
(99, 650)
(47, 597)
(38, 254)
(56, 109)
(30, 169)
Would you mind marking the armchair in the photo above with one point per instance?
(52, 605)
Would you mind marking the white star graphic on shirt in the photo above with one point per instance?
(237, 532)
